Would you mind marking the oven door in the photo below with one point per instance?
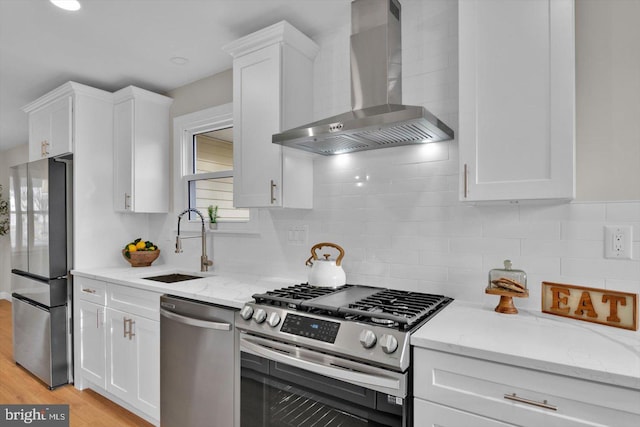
(284, 385)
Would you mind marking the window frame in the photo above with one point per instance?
(185, 127)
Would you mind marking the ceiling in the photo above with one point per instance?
(110, 44)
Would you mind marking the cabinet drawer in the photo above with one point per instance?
(90, 290)
(428, 414)
(521, 396)
(134, 301)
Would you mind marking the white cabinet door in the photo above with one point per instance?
(50, 129)
(123, 155)
(257, 162)
(272, 92)
(517, 99)
(133, 351)
(141, 151)
(148, 363)
(39, 126)
(121, 350)
(91, 333)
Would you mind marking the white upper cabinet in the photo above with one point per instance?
(50, 129)
(272, 92)
(54, 117)
(517, 99)
(141, 151)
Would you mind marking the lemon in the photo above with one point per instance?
(132, 248)
(140, 245)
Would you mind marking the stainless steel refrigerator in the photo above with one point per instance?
(41, 257)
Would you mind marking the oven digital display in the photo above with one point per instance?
(321, 330)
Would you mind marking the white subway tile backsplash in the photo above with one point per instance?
(605, 268)
(576, 211)
(529, 230)
(625, 212)
(573, 230)
(419, 272)
(503, 247)
(418, 243)
(451, 260)
(389, 256)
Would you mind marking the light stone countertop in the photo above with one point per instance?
(230, 290)
(536, 340)
(529, 339)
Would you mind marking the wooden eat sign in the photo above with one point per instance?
(612, 308)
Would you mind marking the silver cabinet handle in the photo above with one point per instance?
(519, 399)
(128, 333)
(221, 326)
(44, 145)
(127, 199)
(89, 291)
(131, 333)
(273, 186)
(466, 180)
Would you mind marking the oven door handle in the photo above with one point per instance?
(353, 373)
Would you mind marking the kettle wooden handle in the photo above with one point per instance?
(314, 256)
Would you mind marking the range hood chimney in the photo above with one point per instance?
(378, 119)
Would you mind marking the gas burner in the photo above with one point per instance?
(293, 296)
(401, 310)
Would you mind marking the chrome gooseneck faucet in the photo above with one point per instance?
(204, 261)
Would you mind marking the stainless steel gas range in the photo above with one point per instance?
(315, 356)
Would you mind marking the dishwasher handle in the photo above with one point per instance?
(220, 326)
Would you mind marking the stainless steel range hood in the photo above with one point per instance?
(378, 119)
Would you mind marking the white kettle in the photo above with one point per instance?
(326, 272)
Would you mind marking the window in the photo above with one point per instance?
(207, 162)
(212, 182)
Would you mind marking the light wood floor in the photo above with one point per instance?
(17, 386)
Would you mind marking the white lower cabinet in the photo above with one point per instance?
(133, 349)
(117, 344)
(452, 390)
(91, 334)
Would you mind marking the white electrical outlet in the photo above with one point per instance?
(297, 234)
(618, 241)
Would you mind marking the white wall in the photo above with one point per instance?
(608, 99)
(8, 158)
(396, 213)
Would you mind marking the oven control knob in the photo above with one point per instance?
(259, 315)
(389, 343)
(246, 312)
(367, 338)
(273, 319)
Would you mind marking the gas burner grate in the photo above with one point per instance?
(293, 296)
(396, 308)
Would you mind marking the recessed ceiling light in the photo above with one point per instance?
(179, 60)
(72, 5)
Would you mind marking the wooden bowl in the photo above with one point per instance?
(141, 258)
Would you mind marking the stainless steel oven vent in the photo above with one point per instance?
(377, 119)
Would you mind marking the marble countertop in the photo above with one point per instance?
(230, 290)
(537, 341)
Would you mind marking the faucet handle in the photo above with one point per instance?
(205, 263)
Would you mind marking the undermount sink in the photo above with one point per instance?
(173, 278)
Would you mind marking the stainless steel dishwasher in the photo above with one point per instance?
(199, 364)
